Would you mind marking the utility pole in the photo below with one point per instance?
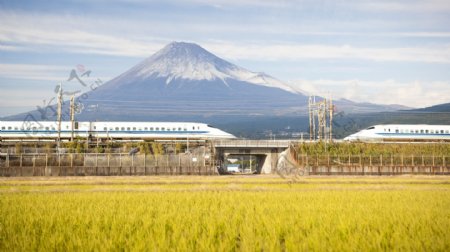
(72, 115)
(311, 119)
(323, 110)
(59, 114)
(331, 107)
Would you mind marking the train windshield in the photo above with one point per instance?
(373, 127)
(210, 126)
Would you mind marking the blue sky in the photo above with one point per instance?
(389, 52)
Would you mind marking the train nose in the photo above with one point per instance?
(229, 136)
(351, 138)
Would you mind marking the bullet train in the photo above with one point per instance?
(402, 132)
(110, 130)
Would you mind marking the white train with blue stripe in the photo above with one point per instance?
(110, 130)
(402, 132)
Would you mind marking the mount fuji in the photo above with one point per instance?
(183, 81)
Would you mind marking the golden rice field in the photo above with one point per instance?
(237, 213)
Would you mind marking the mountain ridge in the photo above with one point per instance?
(183, 81)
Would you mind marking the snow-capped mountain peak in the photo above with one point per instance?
(189, 61)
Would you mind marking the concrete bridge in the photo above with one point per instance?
(267, 152)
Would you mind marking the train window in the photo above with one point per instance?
(110, 129)
(9, 128)
(389, 130)
(3, 128)
(151, 129)
(431, 131)
(198, 127)
(47, 128)
(117, 128)
(179, 129)
(95, 127)
(34, 128)
(145, 128)
(193, 128)
(396, 130)
(442, 131)
(134, 128)
(168, 129)
(157, 128)
(16, 128)
(105, 129)
(185, 129)
(421, 131)
(163, 128)
(140, 129)
(122, 128)
(53, 128)
(174, 129)
(426, 131)
(446, 132)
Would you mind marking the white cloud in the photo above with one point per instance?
(413, 94)
(300, 52)
(43, 33)
(422, 6)
(34, 72)
(74, 41)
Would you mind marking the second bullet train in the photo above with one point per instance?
(402, 132)
(110, 130)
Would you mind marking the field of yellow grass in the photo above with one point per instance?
(246, 213)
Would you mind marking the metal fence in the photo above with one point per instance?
(374, 165)
(105, 164)
(192, 164)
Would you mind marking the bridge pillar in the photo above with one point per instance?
(267, 165)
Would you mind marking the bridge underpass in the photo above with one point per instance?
(265, 152)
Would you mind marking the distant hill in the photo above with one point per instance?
(436, 108)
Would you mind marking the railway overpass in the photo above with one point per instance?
(267, 152)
